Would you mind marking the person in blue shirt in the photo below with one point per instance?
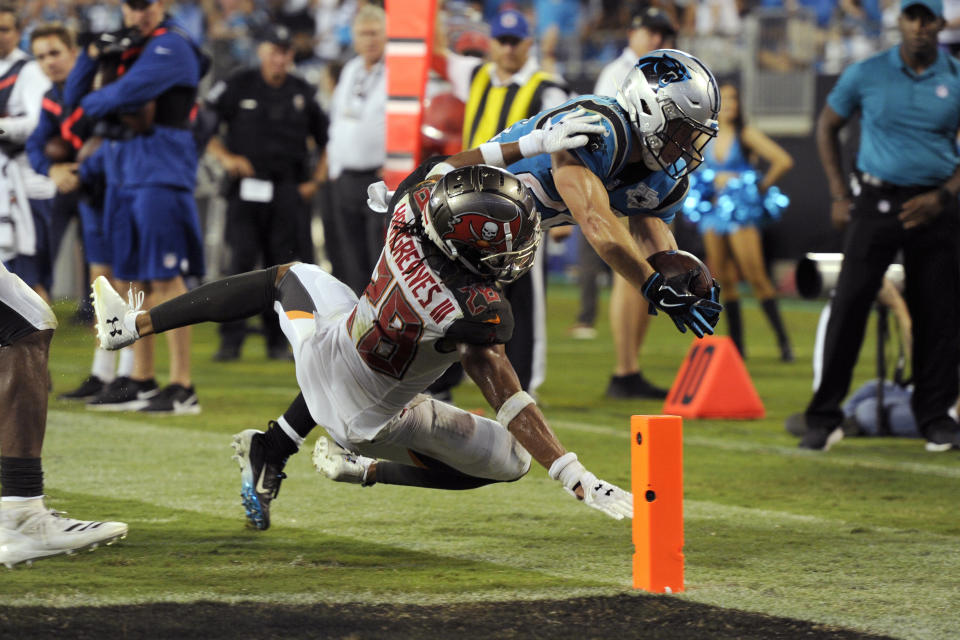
(902, 197)
(161, 242)
(655, 131)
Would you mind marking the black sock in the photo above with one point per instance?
(298, 417)
(405, 475)
(772, 310)
(21, 477)
(279, 446)
(233, 298)
(731, 310)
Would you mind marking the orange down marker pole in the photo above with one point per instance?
(656, 459)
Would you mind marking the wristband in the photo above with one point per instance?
(492, 154)
(530, 144)
(513, 406)
(560, 464)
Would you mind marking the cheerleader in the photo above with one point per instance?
(729, 199)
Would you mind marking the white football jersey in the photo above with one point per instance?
(362, 366)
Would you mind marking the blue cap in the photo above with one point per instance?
(934, 6)
(510, 23)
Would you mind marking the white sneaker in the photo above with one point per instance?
(30, 533)
(116, 319)
(338, 464)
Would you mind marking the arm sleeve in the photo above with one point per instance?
(28, 94)
(460, 73)
(319, 125)
(79, 81)
(45, 130)
(487, 316)
(168, 61)
(845, 96)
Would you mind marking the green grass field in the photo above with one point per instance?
(864, 537)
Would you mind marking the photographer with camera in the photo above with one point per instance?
(156, 237)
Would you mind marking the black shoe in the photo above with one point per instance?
(821, 439)
(634, 385)
(227, 353)
(173, 399)
(87, 390)
(259, 479)
(796, 424)
(279, 352)
(124, 394)
(942, 439)
(786, 352)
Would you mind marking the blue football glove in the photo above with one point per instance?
(673, 297)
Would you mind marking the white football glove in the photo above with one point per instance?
(599, 494)
(570, 132)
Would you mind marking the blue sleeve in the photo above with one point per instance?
(93, 167)
(80, 80)
(598, 155)
(168, 61)
(46, 128)
(845, 96)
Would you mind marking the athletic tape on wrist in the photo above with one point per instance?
(561, 463)
(514, 405)
(492, 154)
(530, 144)
(441, 169)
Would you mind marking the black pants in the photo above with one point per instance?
(353, 233)
(932, 291)
(269, 233)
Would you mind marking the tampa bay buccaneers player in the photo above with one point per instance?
(458, 230)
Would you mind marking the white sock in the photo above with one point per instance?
(125, 362)
(129, 322)
(104, 365)
(287, 429)
(19, 502)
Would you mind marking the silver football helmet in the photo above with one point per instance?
(486, 219)
(672, 99)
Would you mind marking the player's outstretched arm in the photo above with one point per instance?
(570, 132)
(489, 367)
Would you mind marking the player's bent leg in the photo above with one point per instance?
(436, 445)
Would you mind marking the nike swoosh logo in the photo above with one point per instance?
(260, 488)
(163, 51)
(493, 320)
(671, 304)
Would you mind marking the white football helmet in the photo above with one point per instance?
(672, 99)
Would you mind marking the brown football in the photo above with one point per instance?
(674, 263)
(58, 150)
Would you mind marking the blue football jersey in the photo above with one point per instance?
(633, 188)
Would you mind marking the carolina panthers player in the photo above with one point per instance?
(458, 229)
(654, 134)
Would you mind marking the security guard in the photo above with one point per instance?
(266, 115)
(497, 94)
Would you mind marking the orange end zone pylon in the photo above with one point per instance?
(656, 460)
(713, 383)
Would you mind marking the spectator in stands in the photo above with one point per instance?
(650, 29)
(730, 225)
(356, 153)
(903, 197)
(267, 116)
(27, 211)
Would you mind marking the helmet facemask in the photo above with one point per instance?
(678, 146)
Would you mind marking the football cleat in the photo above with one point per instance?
(338, 464)
(116, 327)
(259, 479)
(29, 533)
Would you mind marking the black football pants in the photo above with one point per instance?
(932, 293)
